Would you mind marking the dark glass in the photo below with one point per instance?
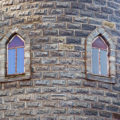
(99, 43)
(16, 42)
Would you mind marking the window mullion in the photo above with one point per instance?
(99, 63)
(16, 61)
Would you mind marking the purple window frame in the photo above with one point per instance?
(15, 46)
(99, 49)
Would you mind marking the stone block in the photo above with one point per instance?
(58, 82)
(49, 61)
(110, 94)
(106, 10)
(66, 32)
(40, 54)
(32, 118)
(81, 33)
(42, 68)
(42, 82)
(91, 112)
(66, 75)
(89, 84)
(26, 83)
(74, 54)
(58, 39)
(95, 22)
(4, 93)
(18, 105)
(101, 16)
(48, 18)
(66, 47)
(86, 13)
(40, 40)
(73, 26)
(36, 47)
(93, 8)
(88, 27)
(98, 106)
(50, 75)
(51, 47)
(109, 24)
(114, 18)
(81, 91)
(116, 88)
(50, 32)
(85, 1)
(100, 2)
(75, 112)
(59, 111)
(116, 102)
(11, 113)
(33, 90)
(42, 111)
(74, 82)
(112, 108)
(78, 5)
(26, 112)
(33, 104)
(18, 91)
(49, 90)
(72, 12)
(104, 86)
(63, 5)
(105, 114)
(73, 40)
(46, 5)
(64, 19)
(58, 68)
(42, 97)
(113, 5)
(117, 1)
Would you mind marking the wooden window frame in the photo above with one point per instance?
(15, 56)
(99, 49)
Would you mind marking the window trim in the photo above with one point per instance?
(99, 49)
(3, 58)
(15, 56)
(100, 31)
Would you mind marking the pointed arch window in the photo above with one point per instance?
(100, 62)
(15, 57)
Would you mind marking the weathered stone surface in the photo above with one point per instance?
(108, 24)
(59, 34)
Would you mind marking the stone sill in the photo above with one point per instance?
(14, 78)
(105, 79)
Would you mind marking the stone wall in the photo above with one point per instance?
(58, 89)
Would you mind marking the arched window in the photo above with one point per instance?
(15, 57)
(100, 63)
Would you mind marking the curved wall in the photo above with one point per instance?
(60, 33)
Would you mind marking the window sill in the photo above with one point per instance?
(15, 75)
(11, 78)
(101, 78)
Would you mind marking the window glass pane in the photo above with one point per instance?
(99, 43)
(20, 60)
(11, 61)
(16, 42)
(95, 61)
(103, 62)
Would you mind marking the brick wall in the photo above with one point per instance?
(58, 88)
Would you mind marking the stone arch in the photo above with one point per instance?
(100, 31)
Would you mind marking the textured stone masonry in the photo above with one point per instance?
(58, 84)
